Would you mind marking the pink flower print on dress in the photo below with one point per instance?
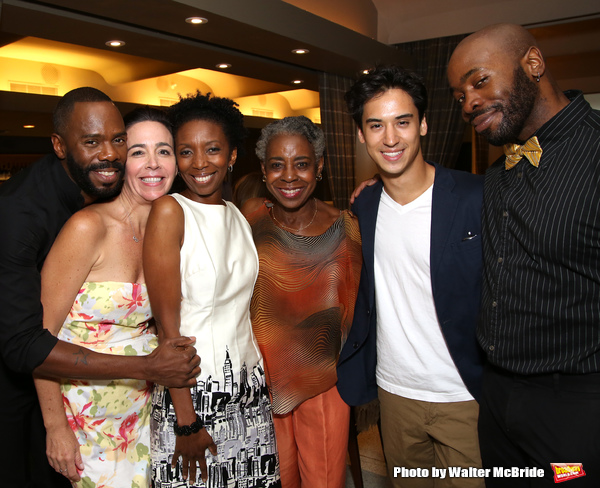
(126, 430)
(76, 421)
(136, 300)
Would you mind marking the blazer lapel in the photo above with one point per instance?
(368, 223)
(443, 209)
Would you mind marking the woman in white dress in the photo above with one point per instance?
(201, 266)
(93, 292)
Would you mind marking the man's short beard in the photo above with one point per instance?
(515, 111)
(81, 176)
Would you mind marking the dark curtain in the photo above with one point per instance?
(340, 133)
(445, 124)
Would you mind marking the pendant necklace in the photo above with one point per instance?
(130, 223)
(302, 227)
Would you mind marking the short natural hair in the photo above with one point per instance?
(299, 125)
(222, 111)
(147, 114)
(64, 107)
(381, 79)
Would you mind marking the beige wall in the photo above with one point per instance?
(358, 15)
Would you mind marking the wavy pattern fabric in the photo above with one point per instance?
(303, 304)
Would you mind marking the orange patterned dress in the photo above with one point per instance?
(303, 304)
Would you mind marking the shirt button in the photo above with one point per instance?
(505, 213)
(520, 174)
(500, 260)
(355, 345)
(494, 303)
(491, 348)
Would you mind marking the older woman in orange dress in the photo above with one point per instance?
(303, 302)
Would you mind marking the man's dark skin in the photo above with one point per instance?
(174, 362)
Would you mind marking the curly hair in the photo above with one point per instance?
(299, 125)
(381, 79)
(64, 107)
(222, 111)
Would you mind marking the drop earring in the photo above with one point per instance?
(537, 78)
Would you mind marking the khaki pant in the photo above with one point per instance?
(425, 435)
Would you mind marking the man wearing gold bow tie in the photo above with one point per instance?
(540, 322)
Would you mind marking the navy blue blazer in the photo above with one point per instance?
(456, 273)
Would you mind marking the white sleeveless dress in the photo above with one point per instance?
(219, 266)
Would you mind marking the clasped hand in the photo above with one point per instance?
(174, 363)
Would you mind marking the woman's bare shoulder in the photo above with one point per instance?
(251, 205)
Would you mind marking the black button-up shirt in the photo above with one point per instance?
(541, 244)
(34, 205)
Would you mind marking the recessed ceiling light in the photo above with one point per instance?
(29, 126)
(365, 71)
(223, 65)
(115, 43)
(196, 20)
(300, 51)
(297, 82)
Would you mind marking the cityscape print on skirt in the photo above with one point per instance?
(238, 416)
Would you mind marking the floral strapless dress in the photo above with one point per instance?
(111, 418)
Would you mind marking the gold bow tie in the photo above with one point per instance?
(531, 150)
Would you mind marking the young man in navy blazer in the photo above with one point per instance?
(412, 343)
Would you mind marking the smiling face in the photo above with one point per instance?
(94, 148)
(203, 156)
(291, 170)
(496, 96)
(150, 168)
(391, 132)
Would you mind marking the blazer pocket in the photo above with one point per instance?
(467, 245)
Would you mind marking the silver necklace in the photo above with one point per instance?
(130, 223)
(302, 227)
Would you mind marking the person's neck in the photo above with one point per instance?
(137, 208)
(408, 186)
(547, 105)
(295, 219)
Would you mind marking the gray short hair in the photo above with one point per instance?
(299, 125)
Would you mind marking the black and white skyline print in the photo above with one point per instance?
(237, 414)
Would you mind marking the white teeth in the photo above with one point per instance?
(106, 173)
(151, 180)
(392, 154)
(202, 179)
(289, 192)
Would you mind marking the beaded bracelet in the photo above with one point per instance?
(188, 429)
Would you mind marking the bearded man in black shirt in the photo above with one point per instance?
(90, 149)
(540, 324)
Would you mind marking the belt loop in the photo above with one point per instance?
(556, 382)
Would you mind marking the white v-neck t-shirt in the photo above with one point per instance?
(413, 360)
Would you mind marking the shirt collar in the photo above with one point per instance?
(565, 122)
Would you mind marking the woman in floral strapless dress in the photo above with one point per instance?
(93, 276)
